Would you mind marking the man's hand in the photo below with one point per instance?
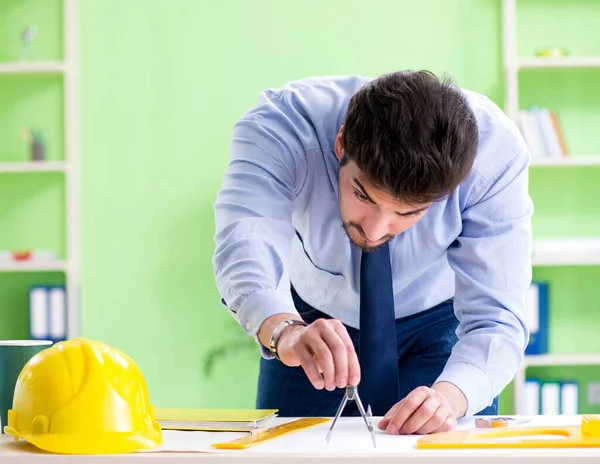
(325, 352)
(426, 410)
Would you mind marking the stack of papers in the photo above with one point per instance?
(219, 420)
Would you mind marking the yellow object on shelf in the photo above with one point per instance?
(587, 435)
(253, 439)
(216, 420)
(552, 52)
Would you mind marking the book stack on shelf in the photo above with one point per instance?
(542, 133)
(546, 135)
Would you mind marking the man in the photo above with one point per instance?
(376, 232)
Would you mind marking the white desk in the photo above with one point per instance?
(351, 443)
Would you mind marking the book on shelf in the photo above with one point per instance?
(536, 311)
(542, 132)
(224, 420)
(569, 397)
(532, 397)
(550, 398)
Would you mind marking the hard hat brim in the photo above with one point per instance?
(101, 443)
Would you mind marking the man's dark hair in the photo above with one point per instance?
(412, 134)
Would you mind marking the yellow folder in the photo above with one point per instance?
(225, 420)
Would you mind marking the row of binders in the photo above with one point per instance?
(551, 397)
(545, 397)
(542, 132)
(48, 312)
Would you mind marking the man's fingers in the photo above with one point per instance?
(411, 403)
(429, 416)
(448, 425)
(310, 366)
(340, 358)
(332, 354)
(323, 357)
(353, 364)
(383, 423)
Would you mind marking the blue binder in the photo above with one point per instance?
(537, 308)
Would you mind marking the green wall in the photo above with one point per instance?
(162, 90)
(163, 83)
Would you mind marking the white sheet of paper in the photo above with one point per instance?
(350, 435)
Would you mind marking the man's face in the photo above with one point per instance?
(371, 217)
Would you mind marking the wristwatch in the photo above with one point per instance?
(278, 331)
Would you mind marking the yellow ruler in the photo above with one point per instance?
(587, 435)
(253, 439)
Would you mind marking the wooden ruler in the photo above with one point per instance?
(255, 438)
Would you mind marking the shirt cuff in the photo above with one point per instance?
(472, 382)
(258, 307)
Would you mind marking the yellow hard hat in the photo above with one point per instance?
(83, 397)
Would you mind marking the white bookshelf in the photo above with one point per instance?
(32, 67)
(33, 166)
(566, 161)
(34, 266)
(68, 68)
(562, 360)
(574, 251)
(555, 63)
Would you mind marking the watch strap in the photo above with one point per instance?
(279, 330)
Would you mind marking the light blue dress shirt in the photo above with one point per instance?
(278, 221)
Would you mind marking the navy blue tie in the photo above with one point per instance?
(378, 351)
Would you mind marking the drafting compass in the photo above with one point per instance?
(352, 395)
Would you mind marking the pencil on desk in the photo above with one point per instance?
(263, 428)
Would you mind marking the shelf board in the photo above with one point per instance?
(566, 251)
(33, 67)
(562, 360)
(566, 62)
(33, 266)
(33, 166)
(575, 160)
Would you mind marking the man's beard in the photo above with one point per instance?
(363, 243)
